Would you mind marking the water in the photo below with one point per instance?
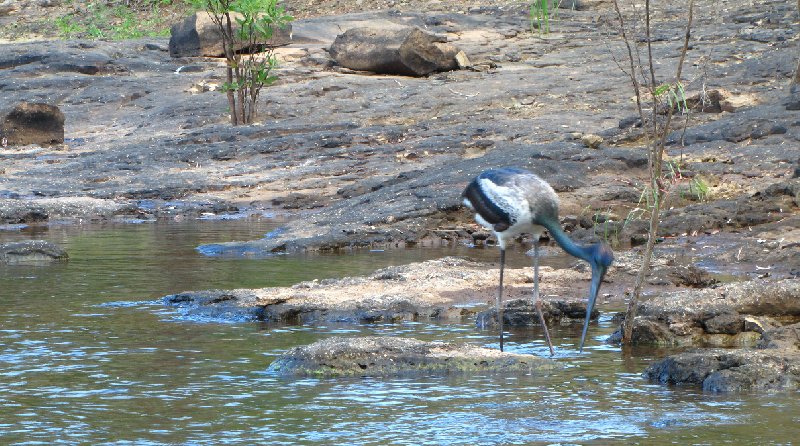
(87, 356)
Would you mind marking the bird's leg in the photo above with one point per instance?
(536, 301)
(500, 296)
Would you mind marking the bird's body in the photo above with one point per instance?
(511, 201)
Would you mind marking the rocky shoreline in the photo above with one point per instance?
(355, 159)
(448, 289)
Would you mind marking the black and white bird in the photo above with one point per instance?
(511, 201)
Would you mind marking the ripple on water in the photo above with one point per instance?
(89, 355)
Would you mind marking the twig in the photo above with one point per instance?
(462, 94)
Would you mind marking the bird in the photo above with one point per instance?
(511, 201)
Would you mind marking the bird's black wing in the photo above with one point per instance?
(490, 211)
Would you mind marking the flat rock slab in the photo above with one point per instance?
(448, 288)
(31, 251)
(386, 356)
(30, 210)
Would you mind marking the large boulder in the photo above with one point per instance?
(387, 356)
(33, 123)
(31, 251)
(406, 51)
(198, 36)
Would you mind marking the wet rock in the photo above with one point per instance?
(775, 366)
(198, 35)
(31, 251)
(387, 356)
(33, 123)
(219, 305)
(522, 313)
(729, 370)
(450, 288)
(714, 317)
(405, 51)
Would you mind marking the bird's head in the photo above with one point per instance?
(601, 257)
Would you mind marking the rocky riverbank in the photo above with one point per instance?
(451, 289)
(355, 159)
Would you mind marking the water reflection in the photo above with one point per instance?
(88, 356)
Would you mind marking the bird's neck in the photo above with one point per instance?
(566, 243)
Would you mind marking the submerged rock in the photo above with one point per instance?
(386, 356)
(31, 251)
(222, 305)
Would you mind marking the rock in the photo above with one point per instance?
(31, 251)
(693, 277)
(462, 60)
(720, 370)
(17, 210)
(592, 141)
(387, 356)
(406, 51)
(581, 5)
(33, 123)
(783, 338)
(450, 288)
(715, 317)
(726, 323)
(198, 35)
(719, 100)
(522, 313)
(424, 290)
(220, 305)
(758, 324)
(775, 366)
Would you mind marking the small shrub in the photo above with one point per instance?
(246, 73)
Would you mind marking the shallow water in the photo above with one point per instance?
(88, 356)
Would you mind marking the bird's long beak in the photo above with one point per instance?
(597, 278)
